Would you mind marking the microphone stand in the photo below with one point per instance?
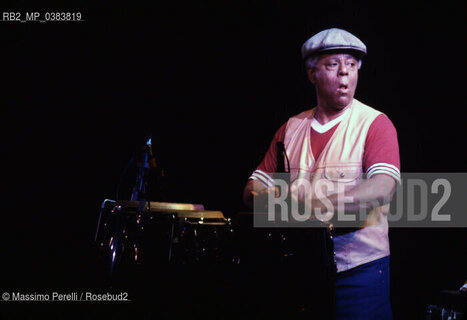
(140, 190)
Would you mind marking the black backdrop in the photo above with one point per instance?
(212, 81)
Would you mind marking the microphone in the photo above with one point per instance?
(147, 153)
(150, 160)
(280, 155)
(147, 161)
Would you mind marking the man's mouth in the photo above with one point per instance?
(343, 88)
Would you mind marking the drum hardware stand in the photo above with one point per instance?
(116, 240)
(171, 238)
(104, 203)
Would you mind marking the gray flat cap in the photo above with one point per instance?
(332, 39)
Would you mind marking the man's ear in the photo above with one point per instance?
(311, 72)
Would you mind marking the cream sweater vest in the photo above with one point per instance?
(340, 163)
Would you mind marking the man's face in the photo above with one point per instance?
(335, 78)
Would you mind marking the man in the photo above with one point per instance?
(336, 142)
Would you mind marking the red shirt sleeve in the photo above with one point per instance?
(381, 153)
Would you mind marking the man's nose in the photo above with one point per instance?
(343, 69)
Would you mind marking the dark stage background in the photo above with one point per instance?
(212, 81)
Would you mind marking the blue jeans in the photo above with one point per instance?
(363, 292)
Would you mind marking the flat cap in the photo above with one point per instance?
(332, 39)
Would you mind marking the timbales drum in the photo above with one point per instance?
(155, 234)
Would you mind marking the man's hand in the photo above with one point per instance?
(367, 196)
(256, 192)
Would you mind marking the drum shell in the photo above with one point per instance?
(151, 241)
